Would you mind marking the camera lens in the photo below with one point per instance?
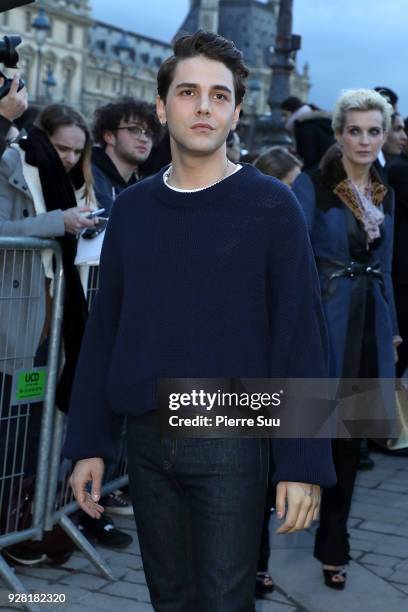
(8, 53)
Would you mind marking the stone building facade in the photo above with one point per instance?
(251, 24)
(84, 56)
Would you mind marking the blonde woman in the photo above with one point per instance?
(350, 218)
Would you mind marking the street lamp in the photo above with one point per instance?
(254, 87)
(283, 63)
(49, 83)
(123, 49)
(41, 26)
(283, 56)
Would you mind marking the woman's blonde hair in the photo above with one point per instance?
(360, 100)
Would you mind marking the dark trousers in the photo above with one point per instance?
(332, 541)
(401, 306)
(270, 502)
(198, 508)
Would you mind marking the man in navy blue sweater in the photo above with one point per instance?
(210, 275)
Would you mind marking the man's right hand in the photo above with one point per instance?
(15, 103)
(88, 470)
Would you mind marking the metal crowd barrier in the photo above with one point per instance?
(22, 314)
(60, 500)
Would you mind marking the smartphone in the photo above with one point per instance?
(95, 213)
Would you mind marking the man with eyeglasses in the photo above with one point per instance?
(124, 132)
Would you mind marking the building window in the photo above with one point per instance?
(51, 31)
(68, 77)
(98, 82)
(70, 33)
(6, 18)
(114, 84)
(28, 21)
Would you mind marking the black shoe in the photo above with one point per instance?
(335, 579)
(365, 462)
(117, 503)
(21, 554)
(104, 531)
(263, 585)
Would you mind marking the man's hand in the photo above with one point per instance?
(15, 103)
(88, 470)
(303, 505)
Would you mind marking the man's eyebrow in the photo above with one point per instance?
(195, 85)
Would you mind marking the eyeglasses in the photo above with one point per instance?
(137, 130)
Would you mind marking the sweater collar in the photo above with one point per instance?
(211, 195)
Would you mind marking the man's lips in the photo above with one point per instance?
(205, 127)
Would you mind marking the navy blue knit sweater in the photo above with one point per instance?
(215, 283)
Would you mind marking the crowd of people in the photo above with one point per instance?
(210, 268)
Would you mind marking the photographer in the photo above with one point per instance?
(12, 106)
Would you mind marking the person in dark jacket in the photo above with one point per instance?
(397, 172)
(350, 215)
(311, 130)
(396, 140)
(124, 132)
(206, 271)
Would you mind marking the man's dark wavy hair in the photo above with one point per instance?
(213, 47)
(107, 118)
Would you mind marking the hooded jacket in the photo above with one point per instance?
(108, 183)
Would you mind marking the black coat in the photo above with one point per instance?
(313, 135)
(397, 172)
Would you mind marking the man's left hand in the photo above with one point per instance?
(303, 502)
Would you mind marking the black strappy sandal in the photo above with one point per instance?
(330, 575)
(264, 584)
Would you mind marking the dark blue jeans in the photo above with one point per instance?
(198, 506)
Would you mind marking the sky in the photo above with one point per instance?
(348, 43)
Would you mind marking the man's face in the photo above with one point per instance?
(131, 141)
(397, 138)
(200, 106)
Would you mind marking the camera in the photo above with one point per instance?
(8, 53)
(9, 57)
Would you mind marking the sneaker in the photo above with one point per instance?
(21, 554)
(104, 531)
(117, 503)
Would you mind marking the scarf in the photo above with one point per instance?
(58, 191)
(366, 207)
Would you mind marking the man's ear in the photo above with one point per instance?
(236, 117)
(109, 138)
(161, 110)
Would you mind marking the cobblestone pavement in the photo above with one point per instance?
(377, 581)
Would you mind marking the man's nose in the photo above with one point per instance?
(203, 105)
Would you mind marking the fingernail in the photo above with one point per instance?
(279, 515)
(95, 496)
